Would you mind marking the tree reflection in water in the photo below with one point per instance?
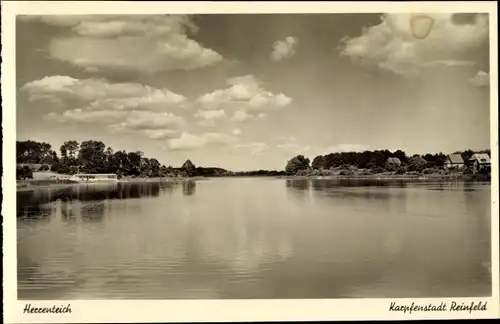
(189, 187)
(90, 201)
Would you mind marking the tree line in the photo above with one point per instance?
(91, 157)
(95, 157)
(378, 161)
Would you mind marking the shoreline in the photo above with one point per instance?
(31, 184)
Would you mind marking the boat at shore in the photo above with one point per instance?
(95, 177)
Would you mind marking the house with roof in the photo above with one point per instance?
(481, 162)
(454, 161)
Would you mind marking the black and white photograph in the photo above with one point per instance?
(253, 156)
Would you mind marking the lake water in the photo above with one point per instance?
(255, 238)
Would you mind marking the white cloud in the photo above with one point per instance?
(189, 141)
(86, 116)
(241, 116)
(404, 43)
(186, 141)
(284, 49)
(294, 148)
(219, 138)
(211, 114)
(253, 148)
(248, 79)
(290, 146)
(143, 43)
(144, 120)
(206, 123)
(246, 97)
(124, 107)
(160, 134)
(481, 79)
(152, 124)
(100, 94)
(236, 132)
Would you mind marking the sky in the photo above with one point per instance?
(247, 92)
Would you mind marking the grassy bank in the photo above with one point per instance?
(394, 177)
(356, 174)
(31, 184)
(353, 173)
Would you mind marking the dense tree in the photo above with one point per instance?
(154, 168)
(435, 160)
(134, 163)
(44, 167)
(319, 162)
(416, 163)
(296, 164)
(69, 151)
(466, 155)
(488, 151)
(401, 156)
(24, 172)
(34, 152)
(189, 168)
(92, 157)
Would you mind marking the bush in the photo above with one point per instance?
(346, 173)
(467, 169)
(400, 170)
(44, 167)
(24, 172)
(302, 173)
(316, 172)
(429, 171)
(55, 167)
(378, 170)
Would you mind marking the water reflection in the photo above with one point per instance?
(189, 187)
(254, 238)
(37, 203)
(299, 190)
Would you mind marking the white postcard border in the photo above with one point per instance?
(222, 310)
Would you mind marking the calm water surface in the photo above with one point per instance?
(255, 238)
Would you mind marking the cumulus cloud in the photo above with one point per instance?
(152, 124)
(208, 117)
(188, 141)
(142, 43)
(118, 106)
(405, 43)
(88, 116)
(100, 94)
(143, 120)
(162, 134)
(284, 49)
(241, 116)
(253, 148)
(236, 132)
(245, 98)
(481, 79)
